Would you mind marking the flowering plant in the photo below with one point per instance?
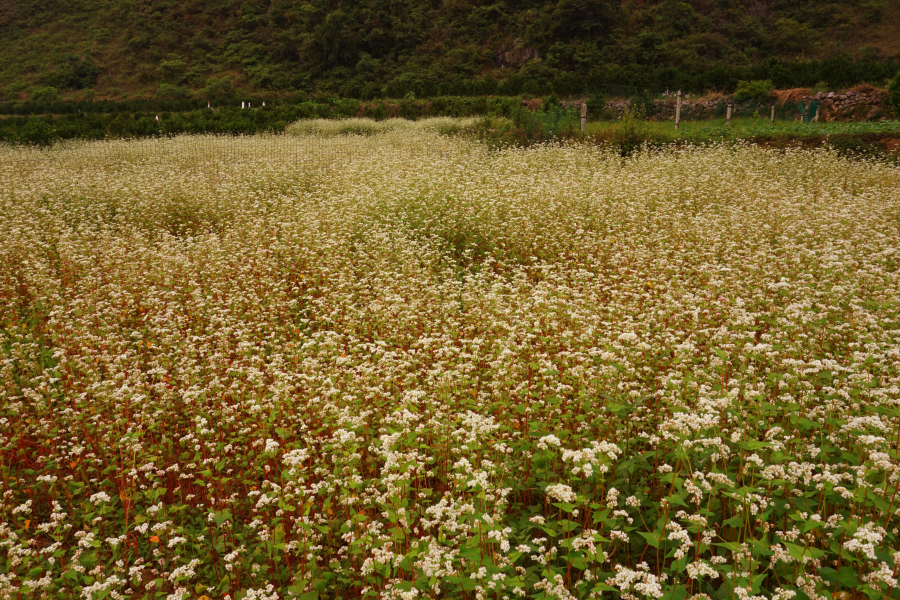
(405, 366)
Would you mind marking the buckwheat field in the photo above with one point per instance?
(402, 365)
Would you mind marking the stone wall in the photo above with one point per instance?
(868, 106)
(863, 105)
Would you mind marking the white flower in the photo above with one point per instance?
(100, 497)
(560, 492)
(547, 441)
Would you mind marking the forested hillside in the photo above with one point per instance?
(215, 48)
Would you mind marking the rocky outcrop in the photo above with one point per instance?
(516, 55)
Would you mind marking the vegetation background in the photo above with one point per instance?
(209, 49)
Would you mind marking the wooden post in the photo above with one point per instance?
(773, 113)
(677, 109)
(583, 116)
(728, 114)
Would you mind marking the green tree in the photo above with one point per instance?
(792, 37)
(44, 93)
(173, 70)
(894, 94)
(74, 73)
(588, 19)
(651, 48)
(172, 92)
(753, 90)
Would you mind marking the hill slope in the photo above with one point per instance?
(141, 48)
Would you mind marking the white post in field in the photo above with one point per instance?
(728, 114)
(773, 113)
(583, 115)
(677, 109)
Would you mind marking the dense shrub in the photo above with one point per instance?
(596, 106)
(383, 48)
(217, 88)
(74, 73)
(32, 121)
(642, 106)
(44, 93)
(894, 92)
(173, 92)
(753, 90)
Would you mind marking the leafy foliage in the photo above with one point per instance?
(758, 91)
(45, 94)
(641, 107)
(99, 120)
(894, 92)
(386, 48)
(596, 105)
(74, 73)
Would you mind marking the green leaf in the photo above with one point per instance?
(734, 521)
(566, 525)
(677, 499)
(810, 525)
(313, 595)
(755, 444)
(678, 593)
(733, 546)
(651, 539)
(846, 576)
(798, 552)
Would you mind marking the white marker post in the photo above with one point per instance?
(677, 110)
(583, 116)
(728, 114)
(773, 113)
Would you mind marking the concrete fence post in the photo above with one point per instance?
(583, 116)
(677, 110)
(728, 114)
(773, 113)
